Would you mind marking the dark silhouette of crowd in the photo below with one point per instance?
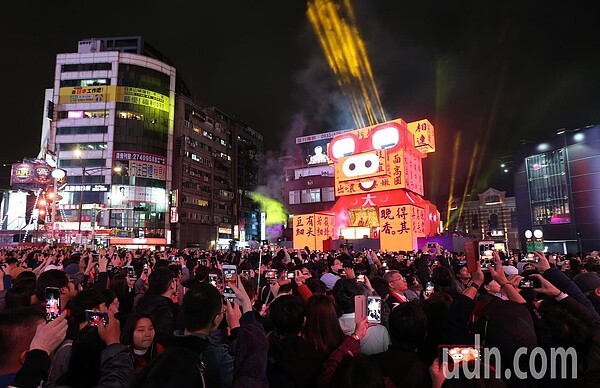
(71, 317)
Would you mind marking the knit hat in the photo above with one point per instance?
(587, 281)
(72, 268)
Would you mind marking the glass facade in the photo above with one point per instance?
(548, 188)
(140, 148)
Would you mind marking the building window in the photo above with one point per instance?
(548, 190)
(85, 82)
(82, 130)
(86, 67)
(328, 194)
(294, 197)
(493, 221)
(311, 195)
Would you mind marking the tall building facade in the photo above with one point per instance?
(557, 189)
(112, 129)
(216, 166)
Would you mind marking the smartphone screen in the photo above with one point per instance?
(212, 279)
(52, 303)
(486, 254)
(529, 283)
(95, 317)
(429, 286)
(455, 354)
(360, 278)
(530, 257)
(290, 275)
(271, 275)
(360, 307)
(374, 309)
(131, 273)
(229, 278)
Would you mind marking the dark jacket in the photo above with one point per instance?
(293, 362)
(405, 368)
(238, 363)
(566, 285)
(116, 368)
(164, 314)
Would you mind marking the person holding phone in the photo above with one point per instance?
(376, 339)
(162, 284)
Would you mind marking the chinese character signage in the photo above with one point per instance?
(424, 135)
(126, 94)
(400, 226)
(312, 229)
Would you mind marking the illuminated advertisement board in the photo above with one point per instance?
(142, 165)
(312, 229)
(127, 94)
(31, 174)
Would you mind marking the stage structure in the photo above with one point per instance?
(379, 189)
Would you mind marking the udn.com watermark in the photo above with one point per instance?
(477, 362)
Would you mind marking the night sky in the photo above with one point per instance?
(495, 72)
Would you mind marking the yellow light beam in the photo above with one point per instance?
(455, 152)
(346, 55)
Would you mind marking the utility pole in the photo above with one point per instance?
(81, 199)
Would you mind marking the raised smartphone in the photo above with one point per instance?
(53, 307)
(374, 309)
(360, 307)
(229, 278)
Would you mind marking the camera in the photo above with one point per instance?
(530, 282)
(271, 275)
(291, 275)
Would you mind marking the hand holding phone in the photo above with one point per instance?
(94, 318)
(530, 282)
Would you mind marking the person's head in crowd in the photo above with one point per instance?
(111, 301)
(21, 295)
(589, 284)
(358, 371)
(192, 264)
(407, 326)
(396, 281)
(335, 265)
(489, 285)
(17, 328)
(322, 329)
(461, 272)
(316, 285)
(508, 326)
(162, 281)
(89, 299)
(26, 277)
(138, 332)
(119, 284)
(343, 293)
(287, 314)
(202, 309)
(285, 288)
(249, 288)
(381, 287)
(444, 280)
(175, 367)
(12, 263)
(59, 279)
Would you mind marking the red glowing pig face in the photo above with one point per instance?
(372, 158)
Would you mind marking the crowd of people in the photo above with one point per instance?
(71, 317)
